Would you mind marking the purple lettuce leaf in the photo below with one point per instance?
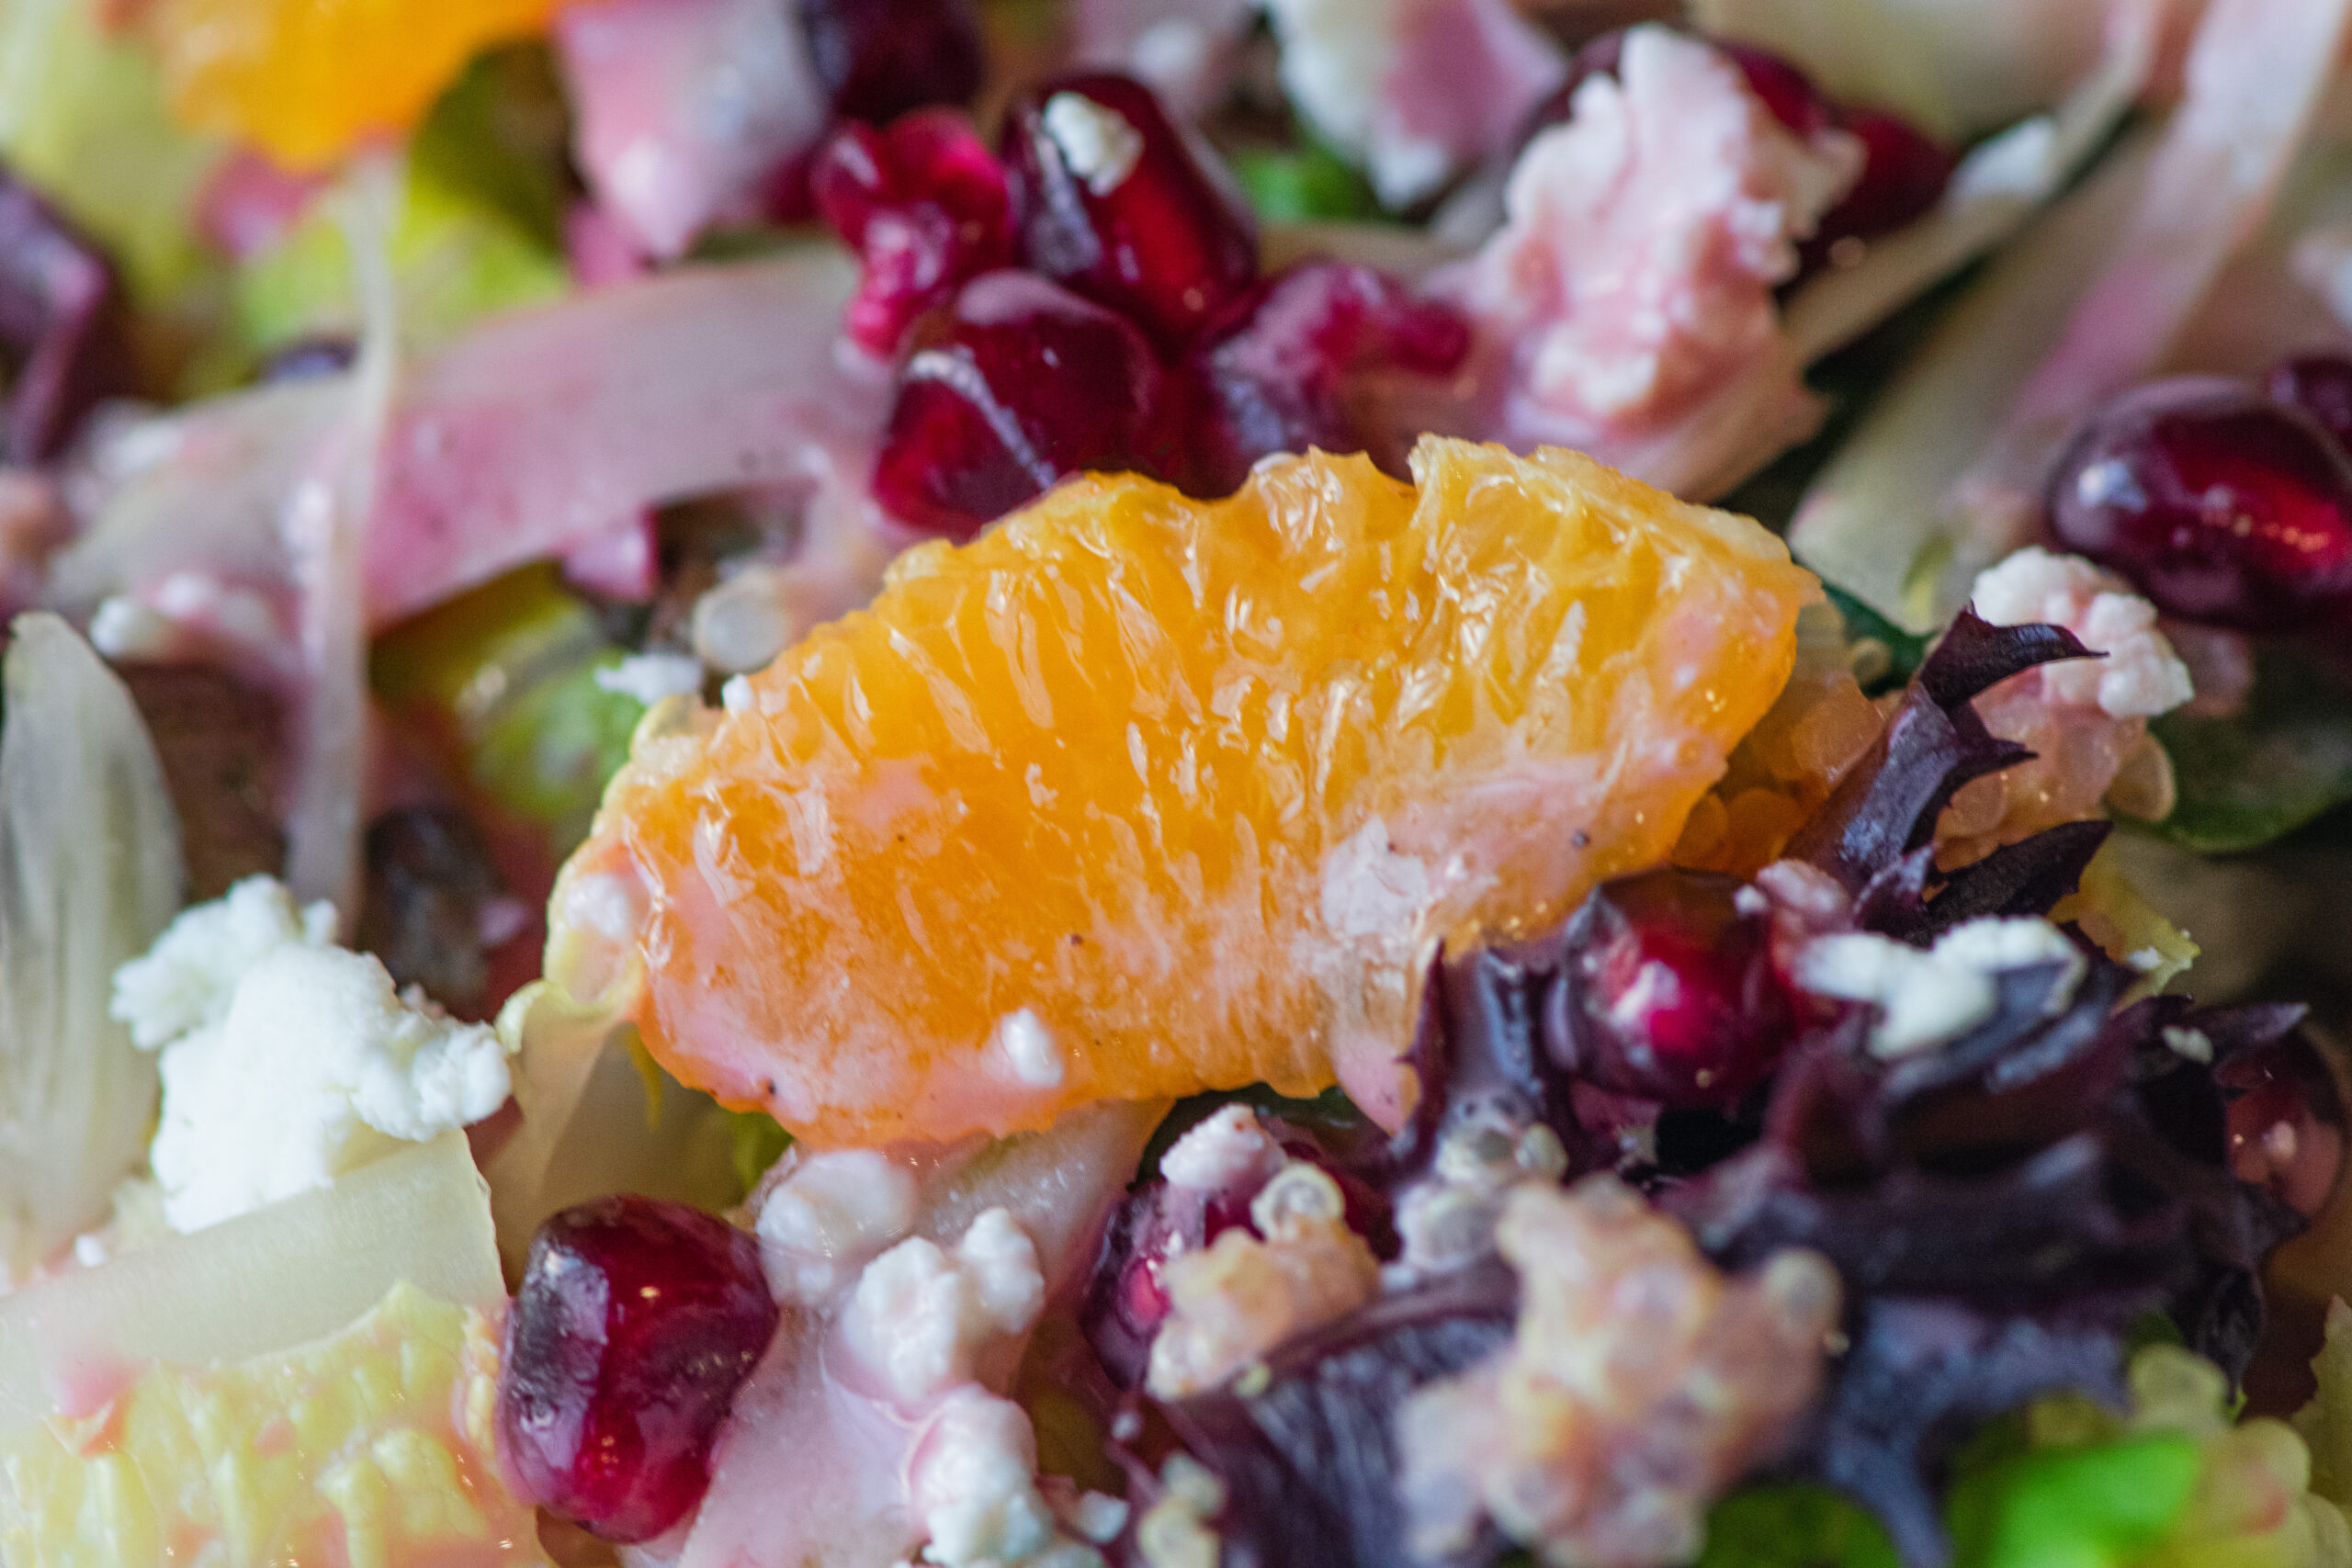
(61, 338)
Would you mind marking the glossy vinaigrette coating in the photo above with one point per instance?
(1136, 796)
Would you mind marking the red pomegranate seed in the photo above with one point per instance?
(1279, 380)
(636, 1323)
(1787, 91)
(2220, 504)
(924, 204)
(1110, 197)
(1673, 994)
(2320, 385)
(2284, 1126)
(1903, 175)
(880, 58)
(1023, 384)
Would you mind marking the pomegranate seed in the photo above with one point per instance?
(880, 58)
(2220, 504)
(636, 1323)
(1278, 380)
(1785, 90)
(924, 204)
(1023, 384)
(1672, 992)
(2320, 385)
(1903, 175)
(2285, 1122)
(1110, 197)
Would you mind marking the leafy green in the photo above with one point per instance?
(1904, 652)
(1302, 185)
(506, 675)
(2095, 1506)
(2279, 762)
(82, 116)
(757, 1142)
(1794, 1527)
(481, 229)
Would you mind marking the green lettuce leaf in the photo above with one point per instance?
(2282, 760)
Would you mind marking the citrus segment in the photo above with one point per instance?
(305, 80)
(1136, 796)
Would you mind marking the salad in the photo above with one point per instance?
(1175, 784)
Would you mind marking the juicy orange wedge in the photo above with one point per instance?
(306, 80)
(1136, 796)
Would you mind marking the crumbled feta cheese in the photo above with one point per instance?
(1228, 1148)
(2141, 676)
(920, 1316)
(187, 978)
(974, 1482)
(1926, 997)
(317, 1068)
(650, 677)
(1096, 141)
(830, 1218)
(1029, 1049)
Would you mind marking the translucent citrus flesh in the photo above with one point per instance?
(373, 1447)
(1136, 796)
(307, 80)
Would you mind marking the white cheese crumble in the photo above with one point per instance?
(921, 1316)
(650, 677)
(286, 1061)
(2141, 676)
(1096, 141)
(187, 978)
(1228, 1148)
(1029, 1049)
(974, 1483)
(830, 1218)
(1926, 997)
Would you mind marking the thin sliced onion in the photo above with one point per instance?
(89, 873)
(1996, 188)
(1878, 521)
(2257, 74)
(535, 434)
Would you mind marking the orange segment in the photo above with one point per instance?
(1136, 796)
(304, 80)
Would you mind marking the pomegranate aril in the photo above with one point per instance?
(1672, 994)
(1021, 384)
(2284, 1127)
(1784, 89)
(2218, 504)
(1111, 198)
(924, 204)
(2320, 385)
(61, 348)
(1280, 380)
(1904, 175)
(636, 1323)
(878, 58)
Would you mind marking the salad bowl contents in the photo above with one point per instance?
(1172, 783)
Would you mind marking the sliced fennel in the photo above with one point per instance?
(89, 873)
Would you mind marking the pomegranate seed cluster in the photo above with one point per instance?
(1640, 1382)
(1087, 298)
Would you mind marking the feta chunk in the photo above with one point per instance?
(286, 1061)
(186, 980)
(974, 1481)
(830, 1218)
(1926, 997)
(921, 1316)
(650, 677)
(2141, 676)
(1228, 1148)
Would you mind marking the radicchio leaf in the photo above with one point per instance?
(1309, 1460)
(1888, 804)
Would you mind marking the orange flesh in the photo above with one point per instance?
(1137, 796)
(307, 80)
